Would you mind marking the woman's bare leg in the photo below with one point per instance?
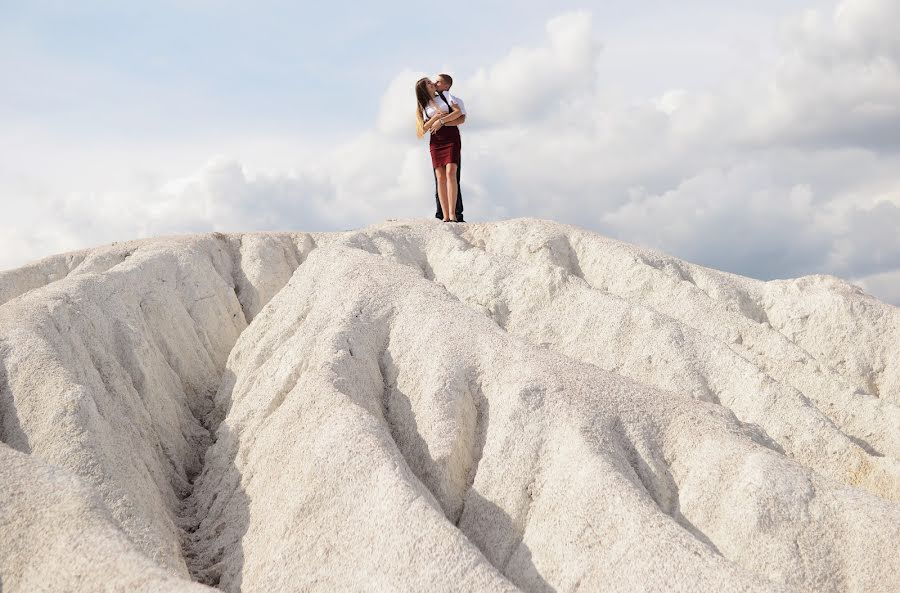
(452, 191)
(441, 174)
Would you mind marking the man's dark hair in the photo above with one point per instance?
(447, 78)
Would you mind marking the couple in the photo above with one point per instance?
(439, 112)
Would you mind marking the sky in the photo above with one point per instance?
(760, 138)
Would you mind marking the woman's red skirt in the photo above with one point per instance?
(445, 146)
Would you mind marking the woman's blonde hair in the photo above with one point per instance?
(422, 101)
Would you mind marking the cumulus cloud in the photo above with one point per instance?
(762, 229)
(531, 82)
(221, 196)
(885, 286)
(396, 107)
(869, 243)
(837, 82)
(791, 172)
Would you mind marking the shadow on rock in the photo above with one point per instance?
(11, 432)
(493, 531)
(216, 515)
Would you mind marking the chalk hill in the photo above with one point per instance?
(416, 406)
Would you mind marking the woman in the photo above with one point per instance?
(434, 115)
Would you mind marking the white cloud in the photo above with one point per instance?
(531, 82)
(790, 172)
(837, 82)
(397, 106)
(885, 286)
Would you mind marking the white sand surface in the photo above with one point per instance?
(416, 406)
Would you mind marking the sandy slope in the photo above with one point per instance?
(417, 406)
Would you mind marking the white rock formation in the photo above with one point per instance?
(517, 406)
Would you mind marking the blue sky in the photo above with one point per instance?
(754, 137)
(270, 63)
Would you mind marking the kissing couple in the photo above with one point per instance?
(441, 114)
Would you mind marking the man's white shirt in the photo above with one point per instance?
(429, 111)
(454, 99)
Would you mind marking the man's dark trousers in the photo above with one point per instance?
(459, 205)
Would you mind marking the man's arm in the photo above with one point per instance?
(453, 115)
(458, 117)
(458, 121)
(434, 119)
(454, 100)
(448, 119)
(455, 112)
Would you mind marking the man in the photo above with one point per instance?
(442, 84)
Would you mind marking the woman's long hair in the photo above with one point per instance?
(422, 101)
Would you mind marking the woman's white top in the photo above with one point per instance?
(442, 107)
